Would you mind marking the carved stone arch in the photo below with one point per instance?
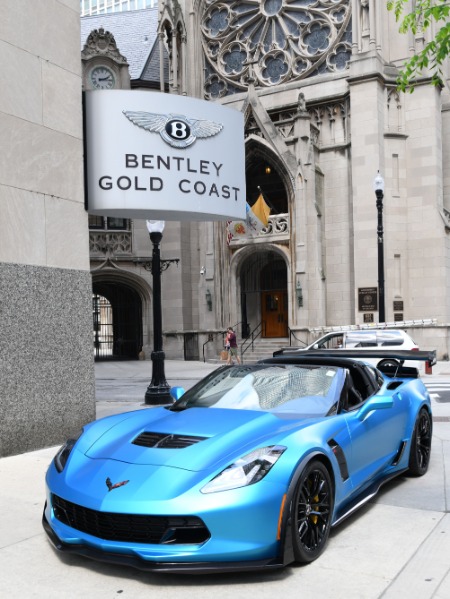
(251, 123)
(331, 121)
(394, 110)
(121, 303)
(238, 258)
(276, 184)
(248, 264)
(139, 284)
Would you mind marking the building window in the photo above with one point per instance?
(96, 7)
(244, 41)
(107, 223)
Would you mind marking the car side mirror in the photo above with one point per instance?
(177, 392)
(379, 402)
(316, 346)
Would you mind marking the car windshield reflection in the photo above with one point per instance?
(304, 390)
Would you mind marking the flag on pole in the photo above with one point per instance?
(261, 211)
(257, 218)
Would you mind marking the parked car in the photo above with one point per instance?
(248, 469)
(376, 339)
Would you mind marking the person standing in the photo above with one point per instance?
(231, 343)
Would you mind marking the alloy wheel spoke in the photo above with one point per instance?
(313, 510)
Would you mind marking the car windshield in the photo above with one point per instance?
(305, 390)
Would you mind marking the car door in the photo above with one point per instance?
(376, 438)
(329, 341)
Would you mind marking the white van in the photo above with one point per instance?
(368, 339)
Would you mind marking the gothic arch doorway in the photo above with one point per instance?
(264, 175)
(117, 321)
(264, 297)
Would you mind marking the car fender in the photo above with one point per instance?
(418, 397)
(286, 546)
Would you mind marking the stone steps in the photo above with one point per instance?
(262, 349)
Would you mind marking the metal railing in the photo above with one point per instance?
(292, 334)
(209, 340)
(250, 340)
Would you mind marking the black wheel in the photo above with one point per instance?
(419, 455)
(387, 364)
(312, 512)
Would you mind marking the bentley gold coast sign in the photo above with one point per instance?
(161, 156)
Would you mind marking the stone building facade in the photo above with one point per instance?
(316, 83)
(46, 358)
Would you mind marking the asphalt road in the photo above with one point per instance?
(439, 389)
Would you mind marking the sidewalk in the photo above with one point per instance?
(179, 370)
(121, 386)
(396, 546)
(176, 370)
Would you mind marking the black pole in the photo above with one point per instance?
(158, 392)
(381, 311)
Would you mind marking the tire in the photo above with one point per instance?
(419, 455)
(312, 511)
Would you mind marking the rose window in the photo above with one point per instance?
(272, 41)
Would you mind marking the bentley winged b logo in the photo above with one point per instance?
(175, 129)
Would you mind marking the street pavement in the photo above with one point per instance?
(396, 546)
(121, 386)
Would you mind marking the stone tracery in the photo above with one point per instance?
(272, 41)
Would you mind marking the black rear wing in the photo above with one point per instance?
(428, 356)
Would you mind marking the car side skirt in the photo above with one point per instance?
(365, 496)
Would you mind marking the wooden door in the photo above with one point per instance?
(274, 313)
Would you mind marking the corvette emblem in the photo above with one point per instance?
(116, 485)
(175, 129)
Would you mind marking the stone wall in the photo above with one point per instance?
(47, 384)
(46, 357)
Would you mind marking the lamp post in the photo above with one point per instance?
(158, 392)
(378, 186)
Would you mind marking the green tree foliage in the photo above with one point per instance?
(434, 53)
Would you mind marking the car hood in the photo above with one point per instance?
(194, 439)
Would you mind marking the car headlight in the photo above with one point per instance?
(245, 471)
(63, 454)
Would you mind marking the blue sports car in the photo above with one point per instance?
(248, 469)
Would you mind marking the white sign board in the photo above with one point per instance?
(162, 156)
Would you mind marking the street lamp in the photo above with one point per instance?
(378, 186)
(158, 391)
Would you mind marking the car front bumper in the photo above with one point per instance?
(154, 565)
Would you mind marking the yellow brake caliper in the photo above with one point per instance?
(315, 507)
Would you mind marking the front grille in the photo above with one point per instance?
(166, 441)
(130, 528)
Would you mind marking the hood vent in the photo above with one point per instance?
(166, 441)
